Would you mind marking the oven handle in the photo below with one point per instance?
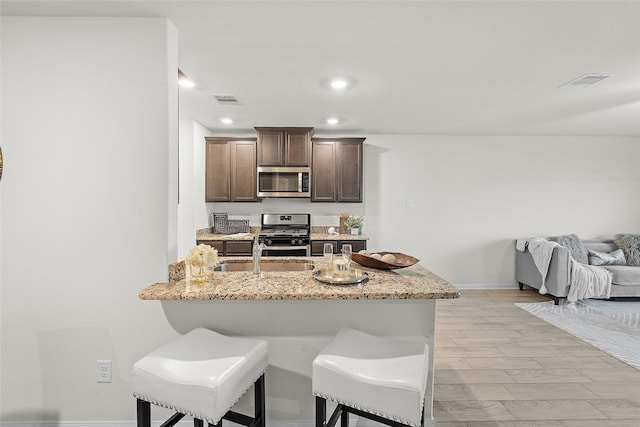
(307, 248)
(285, 248)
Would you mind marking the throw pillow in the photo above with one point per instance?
(630, 245)
(573, 243)
(607, 258)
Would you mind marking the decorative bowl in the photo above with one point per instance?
(402, 261)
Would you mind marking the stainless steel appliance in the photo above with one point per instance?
(285, 234)
(284, 182)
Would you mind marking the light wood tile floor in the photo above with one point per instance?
(499, 366)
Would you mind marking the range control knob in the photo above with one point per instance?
(293, 242)
(299, 242)
(269, 242)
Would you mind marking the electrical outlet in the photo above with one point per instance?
(103, 370)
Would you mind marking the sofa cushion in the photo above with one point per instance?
(624, 274)
(630, 245)
(607, 258)
(600, 245)
(575, 246)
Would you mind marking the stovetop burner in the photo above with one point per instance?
(276, 232)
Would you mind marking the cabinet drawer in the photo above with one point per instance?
(236, 248)
(317, 246)
(216, 244)
(356, 245)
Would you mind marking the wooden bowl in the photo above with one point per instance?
(402, 261)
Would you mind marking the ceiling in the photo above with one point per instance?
(420, 67)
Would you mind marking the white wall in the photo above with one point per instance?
(89, 136)
(473, 196)
(192, 208)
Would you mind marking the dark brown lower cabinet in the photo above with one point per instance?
(336, 170)
(230, 247)
(238, 248)
(317, 246)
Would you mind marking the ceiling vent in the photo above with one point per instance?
(226, 99)
(586, 80)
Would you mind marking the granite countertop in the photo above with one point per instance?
(317, 233)
(415, 282)
(207, 234)
(327, 236)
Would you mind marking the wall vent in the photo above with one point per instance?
(226, 99)
(586, 80)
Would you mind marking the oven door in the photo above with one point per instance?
(287, 251)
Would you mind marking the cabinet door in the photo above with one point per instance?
(349, 169)
(297, 147)
(218, 182)
(243, 171)
(323, 172)
(270, 147)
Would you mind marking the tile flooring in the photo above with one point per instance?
(499, 366)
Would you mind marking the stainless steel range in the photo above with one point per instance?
(285, 234)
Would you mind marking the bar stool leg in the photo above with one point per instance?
(344, 418)
(144, 413)
(321, 411)
(260, 411)
(197, 423)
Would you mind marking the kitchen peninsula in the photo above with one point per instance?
(298, 315)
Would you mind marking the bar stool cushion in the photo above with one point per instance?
(385, 377)
(202, 373)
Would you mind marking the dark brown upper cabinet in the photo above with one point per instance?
(336, 172)
(230, 169)
(289, 146)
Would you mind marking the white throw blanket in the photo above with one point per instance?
(541, 251)
(585, 281)
(588, 281)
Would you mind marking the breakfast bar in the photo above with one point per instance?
(298, 315)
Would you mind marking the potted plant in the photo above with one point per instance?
(354, 224)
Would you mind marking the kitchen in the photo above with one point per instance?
(454, 200)
(310, 306)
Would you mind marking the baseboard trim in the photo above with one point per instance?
(487, 286)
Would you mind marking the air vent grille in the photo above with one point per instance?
(226, 99)
(586, 80)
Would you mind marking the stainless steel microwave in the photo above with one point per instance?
(284, 182)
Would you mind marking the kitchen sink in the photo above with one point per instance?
(265, 266)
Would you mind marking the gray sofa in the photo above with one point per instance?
(625, 282)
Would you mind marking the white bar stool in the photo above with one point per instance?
(202, 374)
(380, 379)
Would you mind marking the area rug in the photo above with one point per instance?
(612, 326)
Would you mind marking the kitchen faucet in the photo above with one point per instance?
(257, 255)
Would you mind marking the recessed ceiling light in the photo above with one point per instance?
(333, 120)
(338, 83)
(226, 120)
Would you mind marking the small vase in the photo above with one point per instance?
(201, 274)
(355, 231)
